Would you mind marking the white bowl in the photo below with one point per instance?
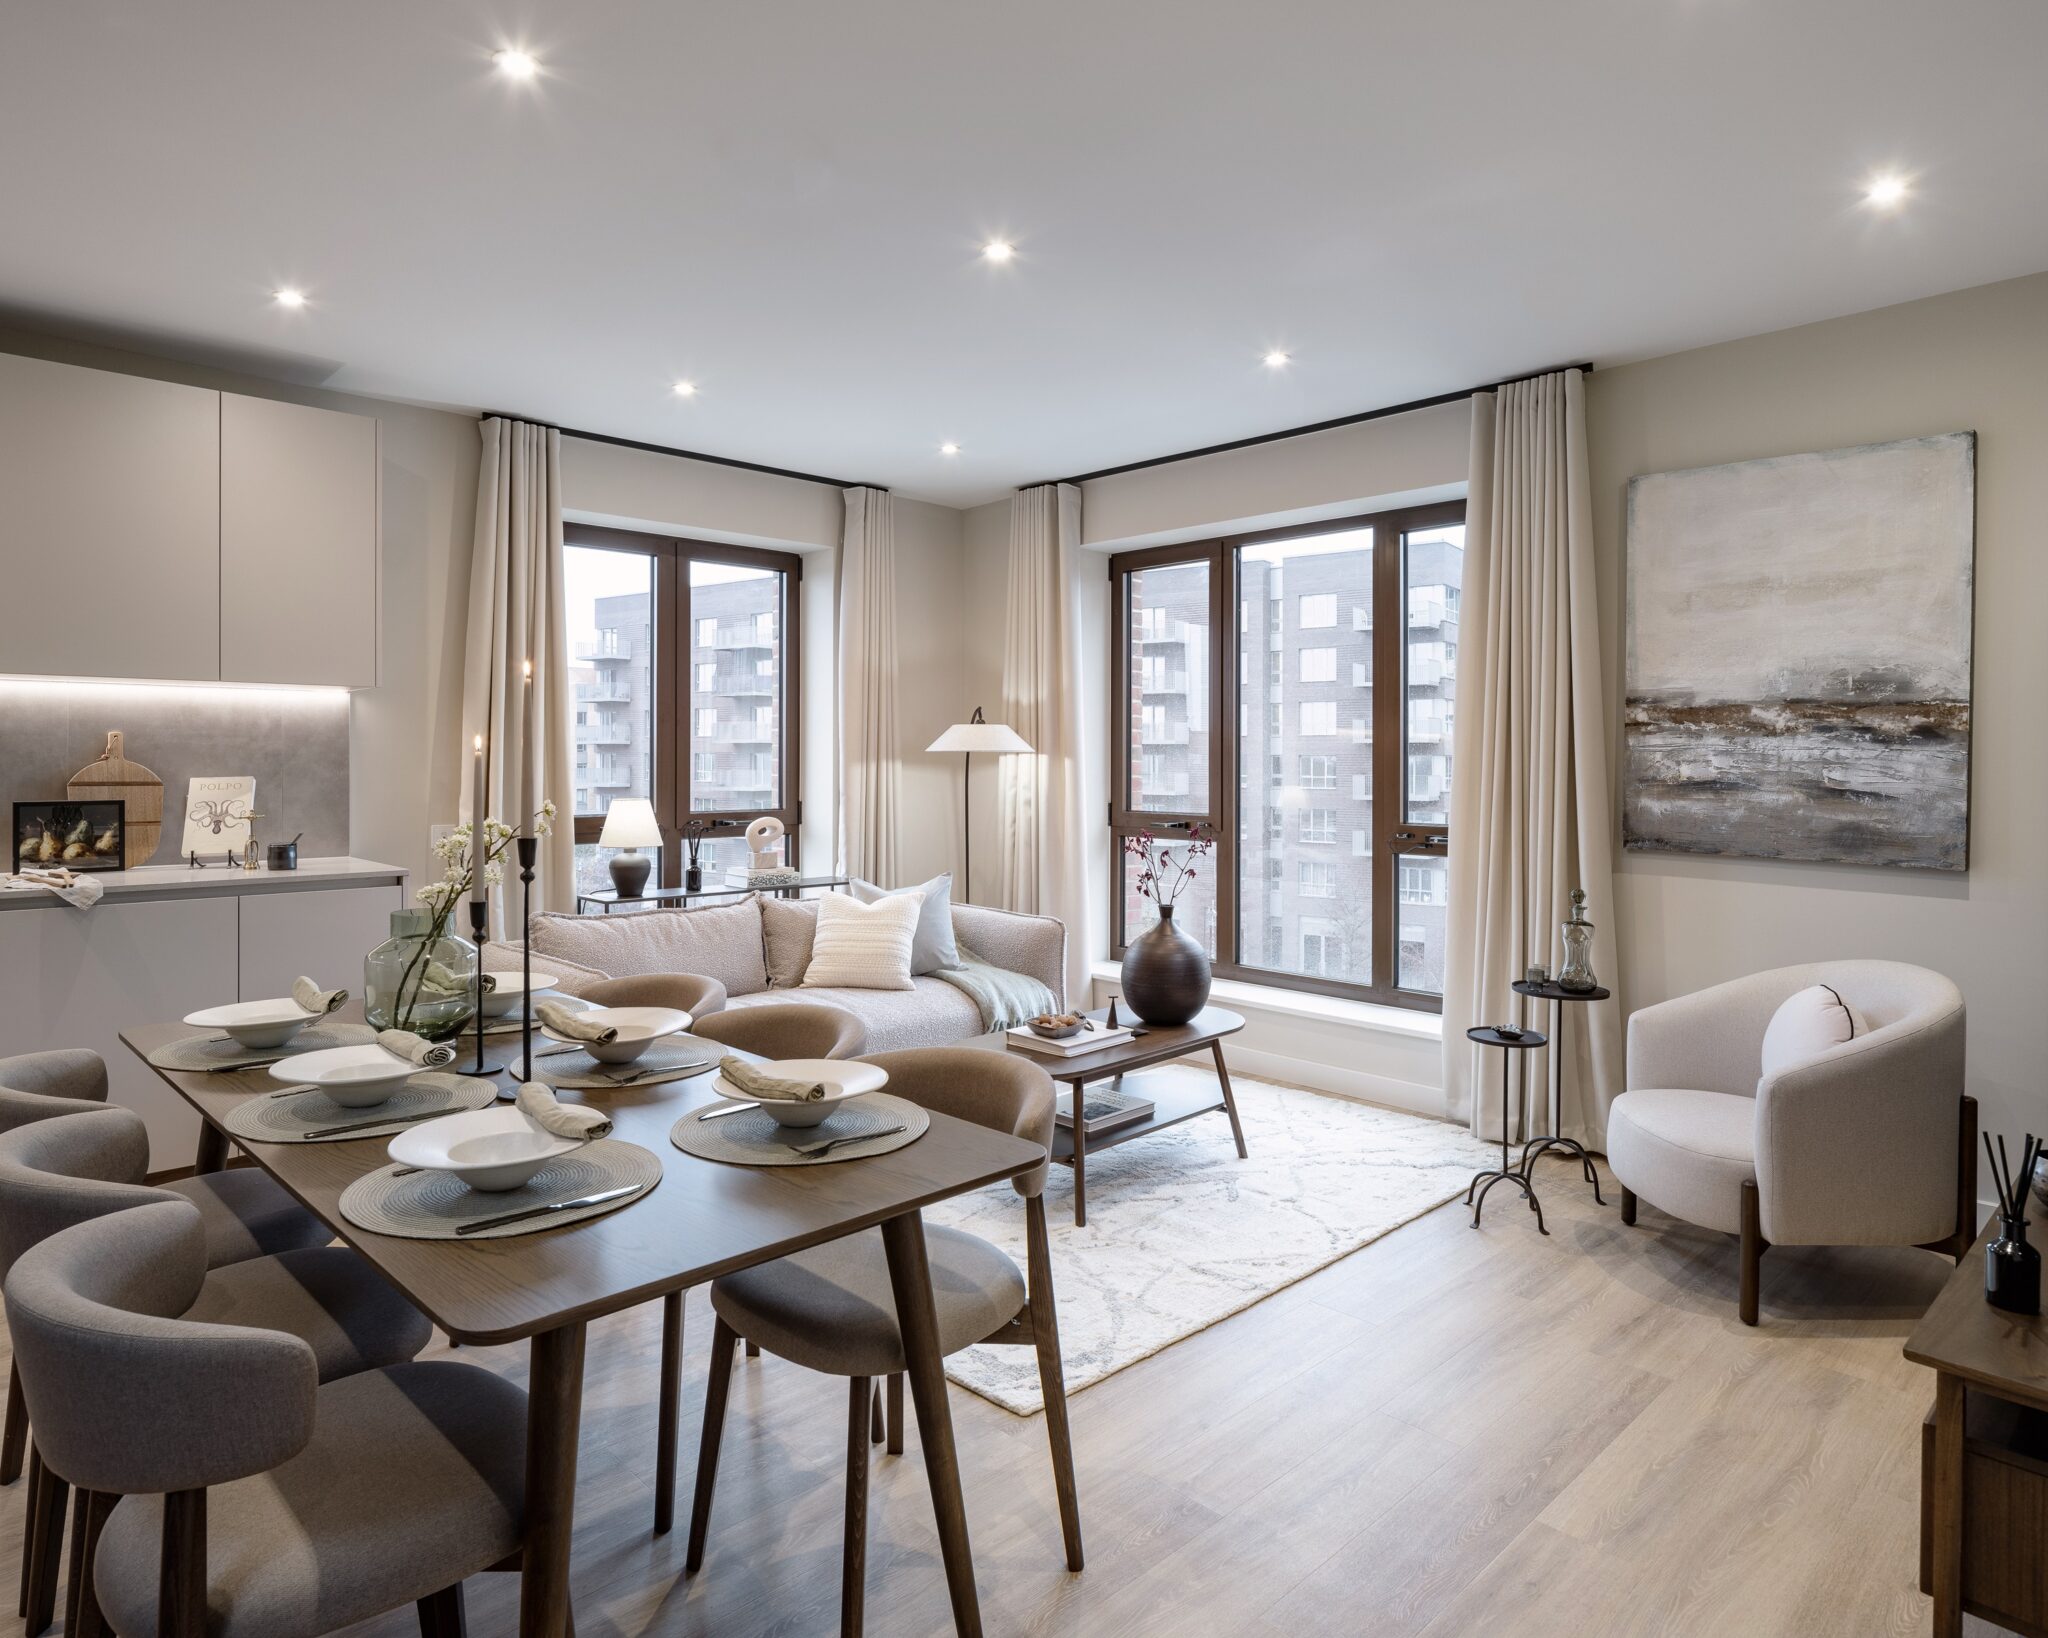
(639, 1028)
(256, 1023)
(841, 1080)
(356, 1077)
(491, 1150)
(506, 988)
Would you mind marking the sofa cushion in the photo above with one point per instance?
(930, 1013)
(571, 977)
(863, 946)
(933, 946)
(787, 928)
(1806, 1024)
(1686, 1152)
(723, 942)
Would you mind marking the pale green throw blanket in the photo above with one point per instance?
(1006, 998)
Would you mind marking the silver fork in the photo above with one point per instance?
(811, 1151)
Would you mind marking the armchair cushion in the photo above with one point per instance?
(1807, 1024)
(1686, 1152)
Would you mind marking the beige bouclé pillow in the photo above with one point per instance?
(863, 946)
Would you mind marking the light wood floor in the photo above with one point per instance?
(1449, 1432)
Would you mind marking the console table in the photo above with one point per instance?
(607, 899)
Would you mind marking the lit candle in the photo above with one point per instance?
(477, 890)
(526, 751)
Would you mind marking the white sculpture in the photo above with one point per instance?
(764, 843)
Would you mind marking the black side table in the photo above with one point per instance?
(1536, 1147)
(1510, 1044)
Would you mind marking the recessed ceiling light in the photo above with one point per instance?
(289, 297)
(1886, 192)
(949, 449)
(998, 251)
(515, 64)
(686, 389)
(1277, 360)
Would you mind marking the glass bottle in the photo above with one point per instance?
(422, 978)
(1576, 974)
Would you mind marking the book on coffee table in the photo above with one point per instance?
(1093, 1040)
(1104, 1109)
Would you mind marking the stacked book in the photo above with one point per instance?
(1074, 1046)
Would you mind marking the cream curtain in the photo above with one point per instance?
(517, 612)
(1044, 868)
(868, 762)
(1529, 799)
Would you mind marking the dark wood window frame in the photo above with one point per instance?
(1393, 835)
(671, 772)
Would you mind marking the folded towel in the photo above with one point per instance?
(538, 1103)
(758, 1083)
(427, 1054)
(82, 892)
(573, 1024)
(314, 999)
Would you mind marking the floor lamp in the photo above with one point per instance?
(967, 738)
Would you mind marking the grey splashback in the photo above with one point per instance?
(292, 742)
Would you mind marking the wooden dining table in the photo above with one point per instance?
(704, 1219)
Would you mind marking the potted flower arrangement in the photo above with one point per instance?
(1166, 972)
(423, 978)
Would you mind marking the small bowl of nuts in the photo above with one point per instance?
(1056, 1026)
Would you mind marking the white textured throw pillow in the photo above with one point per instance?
(1807, 1025)
(863, 946)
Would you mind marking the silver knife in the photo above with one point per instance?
(366, 1125)
(729, 1109)
(580, 1201)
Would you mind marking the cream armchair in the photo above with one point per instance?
(1870, 1143)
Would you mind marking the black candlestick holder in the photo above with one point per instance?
(479, 931)
(529, 856)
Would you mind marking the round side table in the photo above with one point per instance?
(1509, 1045)
(1536, 1147)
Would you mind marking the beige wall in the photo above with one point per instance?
(1977, 359)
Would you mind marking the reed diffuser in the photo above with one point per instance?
(2012, 1268)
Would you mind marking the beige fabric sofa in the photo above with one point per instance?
(1870, 1143)
(758, 949)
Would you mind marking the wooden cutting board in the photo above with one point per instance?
(115, 779)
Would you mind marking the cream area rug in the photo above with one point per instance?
(1181, 1233)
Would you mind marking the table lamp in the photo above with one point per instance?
(967, 738)
(629, 823)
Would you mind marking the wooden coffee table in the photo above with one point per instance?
(1157, 1045)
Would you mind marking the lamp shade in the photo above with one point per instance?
(630, 822)
(979, 736)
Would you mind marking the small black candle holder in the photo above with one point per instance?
(479, 931)
(529, 856)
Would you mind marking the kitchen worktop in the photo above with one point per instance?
(217, 880)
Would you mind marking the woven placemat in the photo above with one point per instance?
(753, 1138)
(309, 1117)
(204, 1050)
(672, 1059)
(426, 1205)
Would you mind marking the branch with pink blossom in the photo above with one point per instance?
(1166, 866)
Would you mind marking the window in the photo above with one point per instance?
(1330, 815)
(685, 658)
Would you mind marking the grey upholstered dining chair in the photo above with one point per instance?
(233, 1493)
(686, 992)
(57, 1173)
(832, 1308)
(787, 1029)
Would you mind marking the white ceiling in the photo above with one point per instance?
(784, 201)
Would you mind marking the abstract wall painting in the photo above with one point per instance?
(1799, 657)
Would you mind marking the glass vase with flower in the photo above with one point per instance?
(423, 978)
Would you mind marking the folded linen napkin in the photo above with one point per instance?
(427, 1054)
(538, 1103)
(573, 1024)
(314, 999)
(81, 892)
(757, 1083)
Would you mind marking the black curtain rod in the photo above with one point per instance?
(1302, 432)
(686, 454)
